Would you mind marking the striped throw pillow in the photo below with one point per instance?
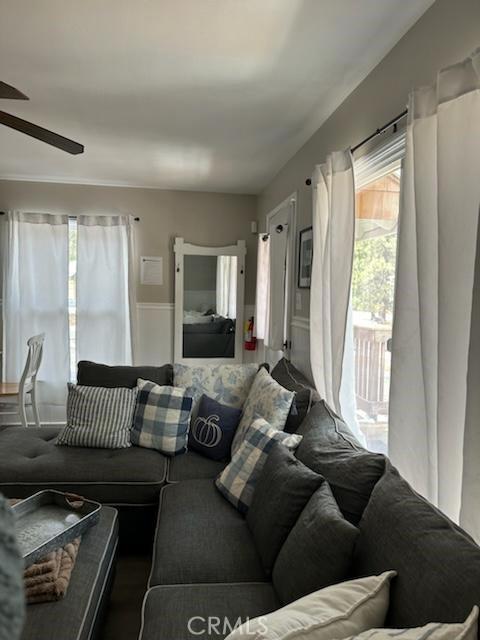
(162, 418)
(98, 417)
(237, 481)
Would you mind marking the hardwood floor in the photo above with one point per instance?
(124, 613)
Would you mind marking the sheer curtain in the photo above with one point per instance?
(227, 286)
(433, 302)
(331, 345)
(105, 289)
(36, 301)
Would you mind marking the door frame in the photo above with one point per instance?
(291, 200)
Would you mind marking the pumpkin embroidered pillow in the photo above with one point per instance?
(213, 428)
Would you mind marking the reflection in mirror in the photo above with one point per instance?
(209, 306)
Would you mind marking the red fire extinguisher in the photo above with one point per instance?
(250, 339)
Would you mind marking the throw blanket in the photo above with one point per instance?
(47, 580)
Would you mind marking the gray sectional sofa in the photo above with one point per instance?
(205, 563)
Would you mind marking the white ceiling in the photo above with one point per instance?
(185, 94)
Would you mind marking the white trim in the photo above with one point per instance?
(291, 256)
(219, 585)
(128, 185)
(154, 306)
(189, 249)
(182, 249)
(299, 322)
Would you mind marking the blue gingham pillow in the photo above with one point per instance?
(162, 418)
(237, 481)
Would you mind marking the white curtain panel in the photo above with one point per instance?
(263, 286)
(331, 345)
(36, 301)
(105, 298)
(227, 286)
(433, 302)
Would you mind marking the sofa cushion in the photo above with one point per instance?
(305, 393)
(284, 487)
(167, 610)
(201, 538)
(30, 461)
(78, 616)
(193, 466)
(330, 449)
(321, 543)
(438, 564)
(92, 374)
(266, 399)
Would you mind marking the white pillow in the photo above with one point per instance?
(266, 399)
(339, 611)
(467, 630)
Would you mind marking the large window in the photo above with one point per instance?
(373, 286)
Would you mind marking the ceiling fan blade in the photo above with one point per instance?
(40, 133)
(10, 93)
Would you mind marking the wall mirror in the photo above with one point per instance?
(209, 293)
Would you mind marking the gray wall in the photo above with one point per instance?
(201, 218)
(445, 34)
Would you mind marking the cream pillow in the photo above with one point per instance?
(339, 611)
(467, 630)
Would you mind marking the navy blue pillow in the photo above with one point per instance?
(212, 430)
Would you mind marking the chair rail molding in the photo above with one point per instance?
(299, 322)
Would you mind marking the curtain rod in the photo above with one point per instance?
(393, 122)
(2, 213)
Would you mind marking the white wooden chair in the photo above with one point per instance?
(17, 396)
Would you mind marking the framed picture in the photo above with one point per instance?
(305, 255)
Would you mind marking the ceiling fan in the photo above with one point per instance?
(10, 93)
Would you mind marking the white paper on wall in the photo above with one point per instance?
(151, 270)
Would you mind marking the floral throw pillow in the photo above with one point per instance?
(228, 384)
(266, 399)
